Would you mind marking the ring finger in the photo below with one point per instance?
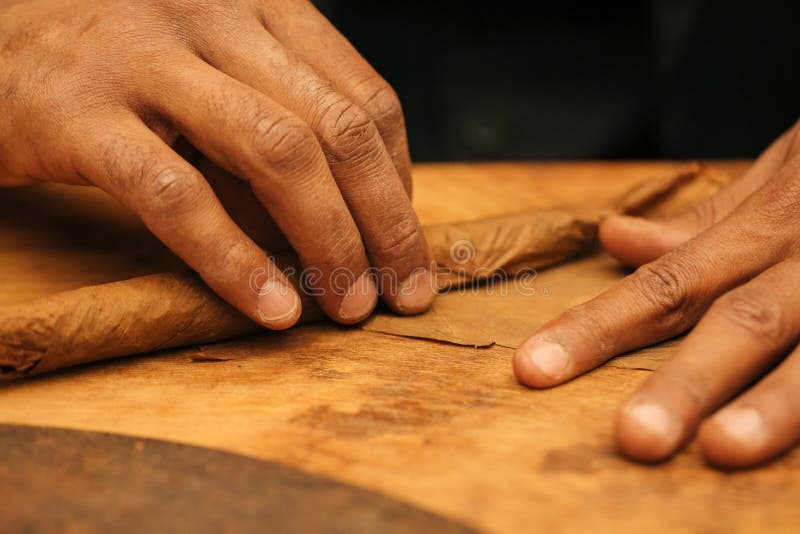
(759, 425)
(742, 334)
(255, 138)
(358, 158)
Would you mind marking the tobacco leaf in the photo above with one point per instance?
(507, 309)
(177, 309)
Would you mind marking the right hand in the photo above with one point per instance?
(103, 92)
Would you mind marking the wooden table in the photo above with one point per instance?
(443, 427)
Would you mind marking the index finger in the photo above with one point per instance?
(176, 203)
(658, 301)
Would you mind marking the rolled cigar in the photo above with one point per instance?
(143, 314)
(471, 251)
(171, 310)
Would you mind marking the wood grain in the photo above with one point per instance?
(442, 427)
(95, 482)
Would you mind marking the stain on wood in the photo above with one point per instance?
(56, 480)
(444, 428)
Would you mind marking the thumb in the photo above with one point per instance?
(636, 241)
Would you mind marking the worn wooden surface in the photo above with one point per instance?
(59, 480)
(442, 427)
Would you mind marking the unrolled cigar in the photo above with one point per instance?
(170, 310)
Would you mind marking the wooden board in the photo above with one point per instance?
(442, 427)
(55, 480)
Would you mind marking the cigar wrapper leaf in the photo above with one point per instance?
(169, 310)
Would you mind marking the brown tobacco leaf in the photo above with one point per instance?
(94, 323)
(98, 322)
(508, 250)
(177, 309)
(477, 250)
(506, 312)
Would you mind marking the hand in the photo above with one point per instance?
(730, 268)
(106, 93)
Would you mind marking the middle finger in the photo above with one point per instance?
(255, 138)
(360, 163)
(743, 332)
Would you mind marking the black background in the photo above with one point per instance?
(579, 80)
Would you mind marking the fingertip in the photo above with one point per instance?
(415, 294)
(541, 364)
(646, 431)
(734, 438)
(279, 305)
(359, 301)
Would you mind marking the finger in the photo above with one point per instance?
(244, 208)
(660, 300)
(177, 205)
(357, 157)
(7, 179)
(744, 332)
(759, 425)
(333, 56)
(253, 137)
(636, 241)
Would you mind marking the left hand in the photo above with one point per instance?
(730, 268)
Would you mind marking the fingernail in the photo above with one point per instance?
(416, 293)
(657, 428)
(359, 301)
(743, 424)
(640, 223)
(549, 358)
(278, 305)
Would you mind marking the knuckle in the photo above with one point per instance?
(346, 251)
(401, 242)
(348, 132)
(704, 214)
(382, 103)
(779, 202)
(664, 286)
(751, 312)
(591, 321)
(171, 191)
(284, 143)
(235, 255)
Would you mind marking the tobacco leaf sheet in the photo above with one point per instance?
(507, 310)
(176, 309)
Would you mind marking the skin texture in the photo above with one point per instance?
(232, 125)
(730, 269)
(162, 103)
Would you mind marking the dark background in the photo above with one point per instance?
(579, 80)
